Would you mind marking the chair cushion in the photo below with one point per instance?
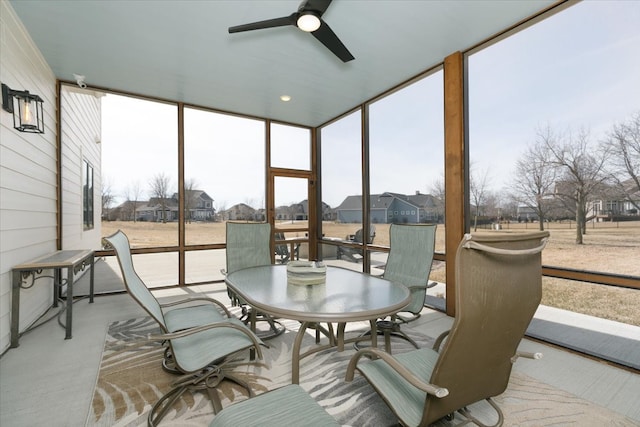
(201, 349)
(178, 319)
(286, 406)
(406, 400)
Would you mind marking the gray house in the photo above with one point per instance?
(242, 212)
(198, 207)
(396, 208)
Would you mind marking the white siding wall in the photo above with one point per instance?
(28, 173)
(81, 129)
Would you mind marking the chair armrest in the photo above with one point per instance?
(438, 342)
(431, 389)
(197, 329)
(420, 287)
(526, 354)
(191, 299)
(417, 287)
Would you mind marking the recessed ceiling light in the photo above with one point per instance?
(285, 98)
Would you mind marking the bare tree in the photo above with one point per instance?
(160, 189)
(222, 210)
(582, 172)
(478, 184)
(107, 197)
(493, 205)
(134, 192)
(190, 201)
(437, 190)
(623, 163)
(534, 180)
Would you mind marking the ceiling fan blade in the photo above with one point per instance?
(327, 37)
(319, 6)
(269, 23)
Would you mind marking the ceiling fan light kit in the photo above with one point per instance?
(308, 22)
(308, 18)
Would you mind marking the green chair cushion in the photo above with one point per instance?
(179, 319)
(407, 400)
(200, 349)
(286, 406)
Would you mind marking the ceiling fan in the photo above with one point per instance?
(308, 18)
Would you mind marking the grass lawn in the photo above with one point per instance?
(608, 247)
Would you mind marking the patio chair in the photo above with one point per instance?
(282, 250)
(409, 263)
(249, 245)
(287, 406)
(199, 338)
(355, 254)
(498, 289)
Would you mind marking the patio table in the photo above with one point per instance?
(346, 296)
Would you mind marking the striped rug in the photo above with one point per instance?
(131, 380)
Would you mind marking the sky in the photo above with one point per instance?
(577, 69)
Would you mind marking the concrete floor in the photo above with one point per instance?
(48, 380)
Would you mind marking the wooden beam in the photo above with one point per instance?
(313, 202)
(182, 264)
(455, 159)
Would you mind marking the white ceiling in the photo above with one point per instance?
(182, 51)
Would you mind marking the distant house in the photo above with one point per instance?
(606, 203)
(526, 214)
(126, 211)
(198, 207)
(616, 202)
(328, 214)
(392, 208)
(294, 212)
(300, 212)
(242, 212)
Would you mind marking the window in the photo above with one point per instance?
(218, 169)
(342, 177)
(406, 153)
(87, 195)
(570, 81)
(290, 147)
(142, 186)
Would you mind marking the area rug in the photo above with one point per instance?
(131, 380)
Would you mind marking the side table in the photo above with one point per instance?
(72, 260)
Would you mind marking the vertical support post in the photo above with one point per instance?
(15, 307)
(455, 159)
(182, 215)
(91, 287)
(69, 302)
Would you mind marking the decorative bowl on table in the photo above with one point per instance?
(306, 273)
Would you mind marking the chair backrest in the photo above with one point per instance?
(358, 237)
(248, 245)
(410, 258)
(282, 249)
(498, 289)
(132, 282)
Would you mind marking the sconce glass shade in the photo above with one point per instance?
(27, 109)
(308, 22)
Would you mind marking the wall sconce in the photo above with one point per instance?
(28, 113)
